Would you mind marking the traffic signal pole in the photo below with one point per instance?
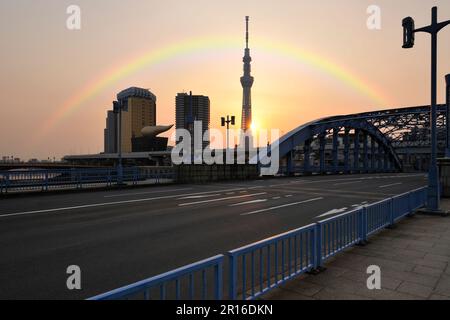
(408, 42)
(447, 116)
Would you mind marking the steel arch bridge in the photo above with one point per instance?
(378, 141)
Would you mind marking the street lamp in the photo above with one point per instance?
(117, 109)
(227, 121)
(408, 42)
(447, 115)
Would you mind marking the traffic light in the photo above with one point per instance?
(408, 32)
(233, 120)
(223, 121)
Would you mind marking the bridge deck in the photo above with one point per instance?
(120, 237)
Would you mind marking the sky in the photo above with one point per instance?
(311, 59)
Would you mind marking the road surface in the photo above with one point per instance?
(118, 237)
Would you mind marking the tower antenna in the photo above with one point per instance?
(247, 18)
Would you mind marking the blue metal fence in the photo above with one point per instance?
(182, 281)
(54, 179)
(378, 216)
(262, 266)
(257, 268)
(338, 233)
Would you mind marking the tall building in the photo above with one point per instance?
(190, 108)
(111, 133)
(138, 112)
(247, 83)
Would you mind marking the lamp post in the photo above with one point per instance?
(447, 116)
(408, 42)
(226, 122)
(117, 109)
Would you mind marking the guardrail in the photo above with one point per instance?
(269, 263)
(255, 269)
(180, 291)
(54, 179)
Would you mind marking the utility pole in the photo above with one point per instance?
(447, 115)
(117, 109)
(408, 42)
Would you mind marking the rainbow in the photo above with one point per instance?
(201, 45)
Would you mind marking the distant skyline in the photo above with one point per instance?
(310, 60)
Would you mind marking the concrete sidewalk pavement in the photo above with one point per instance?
(414, 258)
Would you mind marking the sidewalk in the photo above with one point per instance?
(414, 258)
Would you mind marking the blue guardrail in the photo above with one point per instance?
(178, 284)
(257, 268)
(63, 179)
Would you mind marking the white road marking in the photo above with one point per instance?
(282, 206)
(305, 182)
(344, 183)
(147, 192)
(391, 185)
(332, 212)
(276, 198)
(94, 205)
(183, 194)
(199, 197)
(247, 202)
(289, 195)
(221, 199)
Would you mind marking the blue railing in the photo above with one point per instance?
(262, 266)
(257, 268)
(338, 233)
(378, 216)
(178, 284)
(54, 179)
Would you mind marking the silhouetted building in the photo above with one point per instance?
(190, 108)
(111, 133)
(144, 144)
(139, 111)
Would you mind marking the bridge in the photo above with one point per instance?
(123, 236)
(379, 141)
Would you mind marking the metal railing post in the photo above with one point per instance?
(218, 273)
(7, 183)
(317, 246)
(79, 179)
(410, 203)
(233, 277)
(46, 181)
(391, 212)
(366, 223)
(363, 227)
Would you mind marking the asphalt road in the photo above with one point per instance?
(122, 236)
